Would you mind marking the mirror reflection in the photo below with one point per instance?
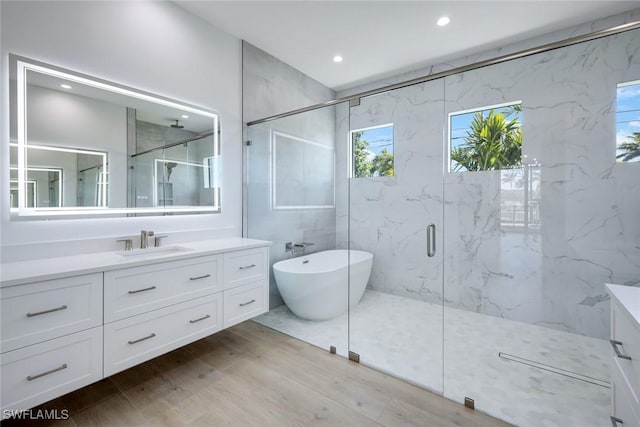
(44, 187)
(76, 177)
(81, 145)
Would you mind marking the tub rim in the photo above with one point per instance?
(276, 266)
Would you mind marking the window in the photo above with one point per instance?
(486, 138)
(628, 122)
(372, 151)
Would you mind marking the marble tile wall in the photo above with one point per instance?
(388, 216)
(553, 275)
(270, 87)
(550, 275)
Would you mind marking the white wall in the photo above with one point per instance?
(154, 46)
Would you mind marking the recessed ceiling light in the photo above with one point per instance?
(337, 58)
(184, 116)
(65, 86)
(442, 21)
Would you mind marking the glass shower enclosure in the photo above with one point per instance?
(297, 198)
(495, 202)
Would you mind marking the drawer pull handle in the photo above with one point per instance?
(615, 421)
(35, 377)
(200, 277)
(615, 345)
(141, 339)
(64, 307)
(199, 319)
(247, 303)
(246, 267)
(142, 290)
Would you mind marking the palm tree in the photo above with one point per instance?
(513, 177)
(632, 148)
(492, 142)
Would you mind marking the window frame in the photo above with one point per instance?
(351, 165)
(618, 86)
(483, 108)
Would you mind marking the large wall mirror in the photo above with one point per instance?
(83, 146)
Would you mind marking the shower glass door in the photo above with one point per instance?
(392, 144)
(295, 198)
(538, 216)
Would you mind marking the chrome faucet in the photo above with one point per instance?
(288, 247)
(144, 238)
(303, 244)
(291, 247)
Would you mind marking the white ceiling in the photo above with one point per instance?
(381, 38)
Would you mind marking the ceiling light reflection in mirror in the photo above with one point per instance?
(110, 181)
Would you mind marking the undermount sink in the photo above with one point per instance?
(151, 252)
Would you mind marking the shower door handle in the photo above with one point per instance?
(431, 240)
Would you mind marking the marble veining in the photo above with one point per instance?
(551, 273)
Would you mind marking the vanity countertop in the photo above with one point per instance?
(628, 297)
(21, 272)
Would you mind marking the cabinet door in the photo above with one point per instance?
(623, 401)
(35, 374)
(131, 291)
(245, 302)
(626, 336)
(242, 267)
(41, 311)
(139, 338)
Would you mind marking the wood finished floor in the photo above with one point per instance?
(250, 375)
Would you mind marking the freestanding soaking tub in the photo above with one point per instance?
(314, 287)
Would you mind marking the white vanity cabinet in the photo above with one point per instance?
(156, 308)
(133, 340)
(246, 285)
(51, 339)
(625, 354)
(131, 291)
(61, 334)
(245, 302)
(41, 311)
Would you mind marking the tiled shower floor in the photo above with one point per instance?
(403, 337)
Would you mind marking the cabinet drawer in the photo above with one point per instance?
(38, 373)
(244, 267)
(625, 404)
(625, 331)
(41, 311)
(245, 302)
(132, 291)
(137, 339)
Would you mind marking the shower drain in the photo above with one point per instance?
(553, 369)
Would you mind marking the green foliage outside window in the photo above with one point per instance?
(630, 149)
(493, 141)
(627, 122)
(373, 152)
